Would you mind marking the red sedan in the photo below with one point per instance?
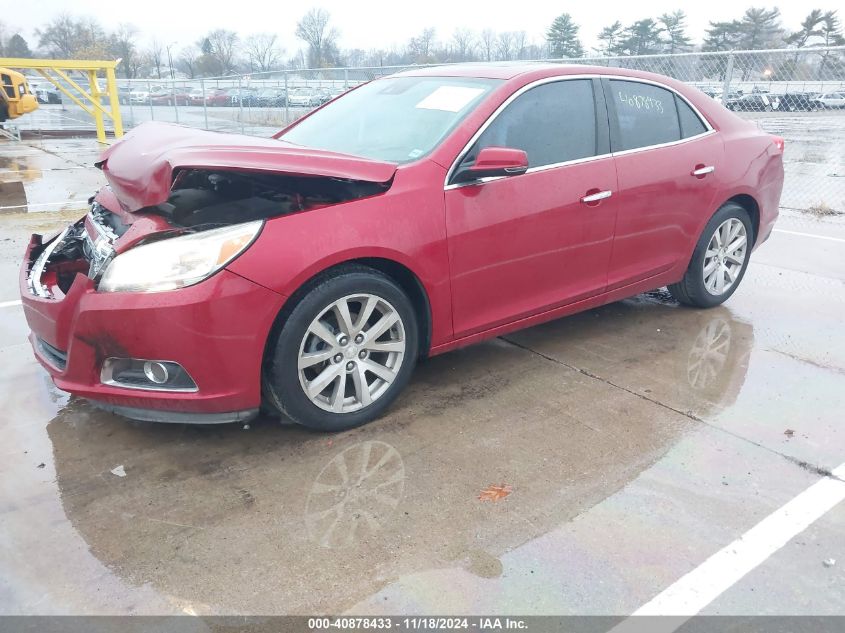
(170, 96)
(411, 216)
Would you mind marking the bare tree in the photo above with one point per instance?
(222, 47)
(520, 39)
(155, 56)
(488, 44)
(504, 46)
(60, 37)
(314, 30)
(420, 46)
(263, 51)
(122, 45)
(187, 61)
(464, 44)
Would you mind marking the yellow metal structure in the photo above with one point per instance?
(57, 72)
(15, 96)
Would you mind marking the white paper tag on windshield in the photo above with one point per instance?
(449, 98)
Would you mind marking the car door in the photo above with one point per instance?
(526, 243)
(668, 164)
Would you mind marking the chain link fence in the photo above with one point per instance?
(798, 94)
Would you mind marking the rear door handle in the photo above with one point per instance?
(595, 197)
(703, 171)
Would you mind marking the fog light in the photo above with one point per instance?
(156, 372)
(139, 373)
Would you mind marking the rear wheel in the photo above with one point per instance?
(344, 353)
(719, 260)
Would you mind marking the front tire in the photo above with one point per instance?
(345, 352)
(719, 260)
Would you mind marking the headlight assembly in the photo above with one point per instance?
(179, 261)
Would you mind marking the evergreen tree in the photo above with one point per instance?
(562, 37)
(610, 37)
(641, 38)
(17, 47)
(674, 27)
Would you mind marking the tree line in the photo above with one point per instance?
(222, 52)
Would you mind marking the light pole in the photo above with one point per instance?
(170, 60)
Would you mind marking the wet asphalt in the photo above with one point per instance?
(578, 467)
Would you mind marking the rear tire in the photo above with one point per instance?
(331, 367)
(719, 260)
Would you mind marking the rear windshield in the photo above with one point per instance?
(398, 120)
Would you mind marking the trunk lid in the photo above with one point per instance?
(140, 167)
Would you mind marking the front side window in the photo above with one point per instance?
(398, 119)
(646, 114)
(553, 123)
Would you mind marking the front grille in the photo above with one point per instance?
(57, 357)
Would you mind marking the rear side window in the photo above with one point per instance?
(691, 124)
(552, 123)
(646, 114)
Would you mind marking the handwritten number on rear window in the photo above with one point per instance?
(640, 102)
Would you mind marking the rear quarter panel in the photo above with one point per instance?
(753, 167)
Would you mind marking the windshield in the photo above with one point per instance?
(397, 120)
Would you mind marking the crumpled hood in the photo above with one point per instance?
(140, 166)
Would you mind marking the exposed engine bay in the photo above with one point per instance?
(201, 197)
(199, 200)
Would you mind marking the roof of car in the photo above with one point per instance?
(534, 70)
(488, 70)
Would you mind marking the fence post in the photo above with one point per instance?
(287, 105)
(204, 103)
(175, 104)
(729, 73)
(346, 79)
(241, 105)
(131, 108)
(150, 101)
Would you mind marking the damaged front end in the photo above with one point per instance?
(86, 247)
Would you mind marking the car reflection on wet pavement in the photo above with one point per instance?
(635, 440)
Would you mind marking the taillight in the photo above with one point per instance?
(779, 143)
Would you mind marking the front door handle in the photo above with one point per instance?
(595, 197)
(700, 172)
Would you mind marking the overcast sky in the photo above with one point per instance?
(383, 23)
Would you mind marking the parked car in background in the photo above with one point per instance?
(123, 94)
(217, 97)
(139, 95)
(246, 97)
(196, 96)
(419, 213)
(751, 103)
(831, 100)
(271, 97)
(170, 96)
(303, 97)
(797, 101)
(47, 94)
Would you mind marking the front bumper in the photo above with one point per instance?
(216, 330)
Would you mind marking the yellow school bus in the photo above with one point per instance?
(15, 96)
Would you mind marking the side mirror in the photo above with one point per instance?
(495, 161)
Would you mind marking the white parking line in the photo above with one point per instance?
(818, 237)
(694, 591)
(9, 304)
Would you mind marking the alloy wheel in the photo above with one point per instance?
(351, 353)
(725, 256)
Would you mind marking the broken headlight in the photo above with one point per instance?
(179, 261)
